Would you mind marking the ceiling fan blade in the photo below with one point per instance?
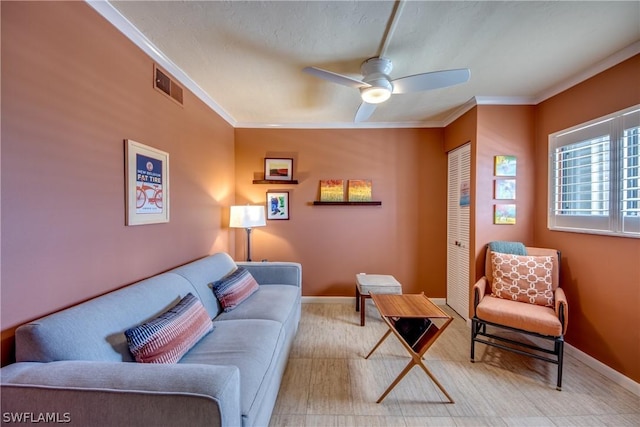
(335, 78)
(364, 112)
(430, 81)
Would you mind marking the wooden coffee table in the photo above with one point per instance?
(394, 309)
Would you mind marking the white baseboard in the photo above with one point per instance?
(610, 373)
(329, 300)
(351, 300)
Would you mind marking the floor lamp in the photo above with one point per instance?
(247, 217)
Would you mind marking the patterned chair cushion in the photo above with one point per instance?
(169, 336)
(234, 288)
(523, 278)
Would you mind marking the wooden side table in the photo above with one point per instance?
(394, 308)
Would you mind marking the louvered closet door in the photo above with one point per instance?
(458, 216)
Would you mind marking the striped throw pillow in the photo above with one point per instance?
(234, 288)
(169, 336)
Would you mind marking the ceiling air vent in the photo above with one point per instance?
(165, 84)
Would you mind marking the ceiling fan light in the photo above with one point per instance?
(375, 95)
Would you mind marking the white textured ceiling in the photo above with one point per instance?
(247, 56)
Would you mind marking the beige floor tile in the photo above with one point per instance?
(429, 421)
(479, 422)
(293, 397)
(287, 420)
(330, 392)
(368, 378)
(353, 421)
(329, 383)
(528, 422)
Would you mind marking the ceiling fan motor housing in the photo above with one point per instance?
(376, 65)
(375, 72)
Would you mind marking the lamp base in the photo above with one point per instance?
(248, 244)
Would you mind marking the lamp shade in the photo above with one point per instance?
(247, 216)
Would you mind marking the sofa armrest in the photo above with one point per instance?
(275, 273)
(119, 393)
(562, 308)
(479, 289)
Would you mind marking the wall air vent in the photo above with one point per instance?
(166, 85)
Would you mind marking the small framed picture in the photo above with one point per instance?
(505, 165)
(277, 205)
(332, 190)
(359, 190)
(147, 184)
(505, 189)
(504, 214)
(278, 169)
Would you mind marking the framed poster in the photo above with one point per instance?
(505, 189)
(277, 205)
(278, 169)
(465, 193)
(505, 165)
(147, 184)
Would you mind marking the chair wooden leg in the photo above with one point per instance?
(560, 351)
(473, 339)
(357, 298)
(362, 309)
(479, 334)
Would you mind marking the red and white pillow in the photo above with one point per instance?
(523, 278)
(166, 338)
(234, 288)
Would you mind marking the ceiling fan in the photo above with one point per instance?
(376, 86)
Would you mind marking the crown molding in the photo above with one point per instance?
(111, 14)
(459, 112)
(610, 61)
(505, 100)
(340, 125)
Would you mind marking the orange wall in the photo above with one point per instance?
(601, 274)
(460, 132)
(73, 88)
(503, 130)
(491, 131)
(405, 237)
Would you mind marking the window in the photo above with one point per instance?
(594, 176)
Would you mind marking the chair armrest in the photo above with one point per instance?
(275, 273)
(479, 289)
(122, 393)
(562, 308)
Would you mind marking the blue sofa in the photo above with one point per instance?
(75, 365)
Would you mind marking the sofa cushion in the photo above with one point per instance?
(202, 272)
(169, 336)
(254, 346)
(270, 302)
(94, 329)
(234, 288)
(523, 278)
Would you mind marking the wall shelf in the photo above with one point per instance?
(371, 203)
(275, 181)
